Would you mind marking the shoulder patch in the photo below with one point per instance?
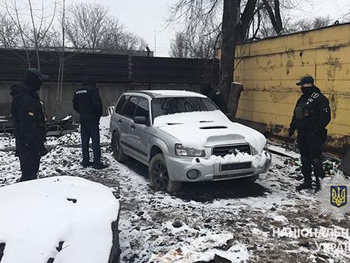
(315, 95)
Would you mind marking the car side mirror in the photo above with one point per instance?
(140, 120)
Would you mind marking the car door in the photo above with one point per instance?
(141, 131)
(117, 115)
(125, 121)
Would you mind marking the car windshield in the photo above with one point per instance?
(165, 106)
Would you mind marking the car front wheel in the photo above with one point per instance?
(118, 153)
(159, 176)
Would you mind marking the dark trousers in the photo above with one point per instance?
(90, 131)
(311, 151)
(29, 158)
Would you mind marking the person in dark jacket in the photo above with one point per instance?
(311, 117)
(87, 102)
(215, 96)
(29, 123)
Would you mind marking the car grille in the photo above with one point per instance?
(224, 150)
(232, 176)
(236, 166)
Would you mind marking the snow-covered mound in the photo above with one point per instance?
(62, 219)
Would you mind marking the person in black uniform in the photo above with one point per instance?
(310, 118)
(87, 102)
(215, 96)
(29, 123)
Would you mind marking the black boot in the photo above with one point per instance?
(306, 170)
(305, 185)
(318, 184)
(318, 168)
(100, 166)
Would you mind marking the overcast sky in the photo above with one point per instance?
(146, 18)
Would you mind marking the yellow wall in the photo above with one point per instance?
(269, 69)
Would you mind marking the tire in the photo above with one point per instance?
(159, 176)
(118, 153)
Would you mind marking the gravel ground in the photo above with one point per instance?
(230, 219)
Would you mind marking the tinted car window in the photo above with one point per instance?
(164, 106)
(130, 107)
(142, 108)
(121, 104)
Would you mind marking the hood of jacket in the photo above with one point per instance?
(19, 89)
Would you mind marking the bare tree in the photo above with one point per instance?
(274, 11)
(202, 18)
(33, 33)
(240, 20)
(123, 42)
(61, 53)
(89, 27)
(308, 24)
(179, 47)
(9, 34)
(87, 24)
(184, 46)
(229, 21)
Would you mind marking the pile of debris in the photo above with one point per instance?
(54, 127)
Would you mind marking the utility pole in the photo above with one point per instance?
(148, 68)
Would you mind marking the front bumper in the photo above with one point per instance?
(211, 169)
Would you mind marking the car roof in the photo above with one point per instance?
(165, 93)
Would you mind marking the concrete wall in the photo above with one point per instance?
(109, 94)
(269, 69)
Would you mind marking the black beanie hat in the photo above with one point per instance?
(34, 78)
(89, 81)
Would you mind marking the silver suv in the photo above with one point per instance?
(183, 137)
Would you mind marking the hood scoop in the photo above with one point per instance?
(213, 127)
(173, 123)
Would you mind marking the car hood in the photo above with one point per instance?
(205, 129)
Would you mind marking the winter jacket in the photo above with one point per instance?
(28, 115)
(312, 112)
(87, 102)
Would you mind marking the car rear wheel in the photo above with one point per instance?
(118, 153)
(159, 176)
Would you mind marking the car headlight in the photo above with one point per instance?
(254, 151)
(183, 151)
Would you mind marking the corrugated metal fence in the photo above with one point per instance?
(110, 68)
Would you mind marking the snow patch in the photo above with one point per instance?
(200, 129)
(37, 215)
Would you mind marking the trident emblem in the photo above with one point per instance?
(338, 194)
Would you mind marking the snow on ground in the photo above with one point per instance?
(36, 216)
(241, 222)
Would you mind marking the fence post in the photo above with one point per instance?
(148, 68)
(130, 68)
